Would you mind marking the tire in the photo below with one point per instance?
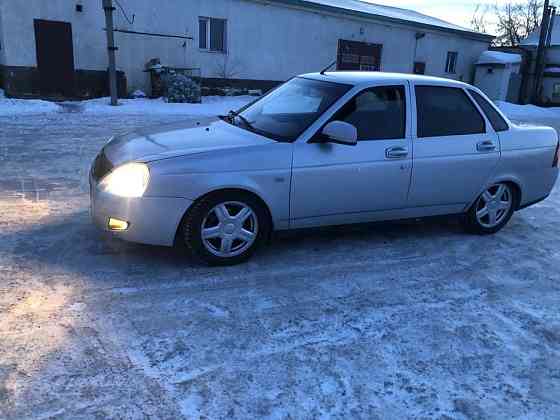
(492, 210)
(225, 228)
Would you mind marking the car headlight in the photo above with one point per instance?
(129, 180)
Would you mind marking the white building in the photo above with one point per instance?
(498, 74)
(58, 47)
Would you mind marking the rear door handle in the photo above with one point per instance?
(396, 152)
(486, 146)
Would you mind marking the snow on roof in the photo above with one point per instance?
(388, 12)
(533, 39)
(498, 57)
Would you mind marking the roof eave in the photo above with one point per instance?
(340, 10)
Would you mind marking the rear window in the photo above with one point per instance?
(446, 111)
(496, 119)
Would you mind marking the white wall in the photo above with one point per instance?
(265, 42)
(18, 16)
(496, 84)
(2, 45)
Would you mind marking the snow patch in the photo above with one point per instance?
(527, 112)
(497, 57)
(11, 107)
(210, 106)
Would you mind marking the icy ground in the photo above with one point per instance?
(396, 321)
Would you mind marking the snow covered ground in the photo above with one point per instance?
(14, 107)
(394, 321)
(210, 106)
(528, 113)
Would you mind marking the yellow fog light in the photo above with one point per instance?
(116, 224)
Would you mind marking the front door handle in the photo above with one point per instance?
(486, 146)
(396, 152)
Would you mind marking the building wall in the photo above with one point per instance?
(495, 84)
(2, 45)
(265, 42)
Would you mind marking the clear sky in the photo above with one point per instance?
(455, 11)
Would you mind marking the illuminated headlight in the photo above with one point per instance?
(129, 180)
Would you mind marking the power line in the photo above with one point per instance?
(130, 22)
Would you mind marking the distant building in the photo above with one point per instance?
(550, 93)
(58, 47)
(498, 74)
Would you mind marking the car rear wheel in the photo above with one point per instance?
(492, 210)
(226, 228)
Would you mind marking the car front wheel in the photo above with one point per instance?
(226, 228)
(492, 210)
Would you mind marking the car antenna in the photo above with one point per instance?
(326, 68)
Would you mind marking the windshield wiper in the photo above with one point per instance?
(235, 114)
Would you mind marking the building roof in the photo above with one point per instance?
(498, 57)
(533, 39)
(389, 13)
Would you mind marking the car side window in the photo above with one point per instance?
(497, 121)
(446, 111)
(377, 113)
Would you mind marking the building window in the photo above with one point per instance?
(212, 34)
(556, 90)
(451, 64)
(356, 56)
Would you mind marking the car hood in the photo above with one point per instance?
(182, 139)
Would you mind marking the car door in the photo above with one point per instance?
(334, 183)
(455, 149)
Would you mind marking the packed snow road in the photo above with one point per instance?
(393, 321)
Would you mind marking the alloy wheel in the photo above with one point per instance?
(229, 229)
(494, 205)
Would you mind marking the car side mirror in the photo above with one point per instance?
(340, 132)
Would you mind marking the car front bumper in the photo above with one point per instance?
(151, 220)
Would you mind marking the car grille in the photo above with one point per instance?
(101, 166)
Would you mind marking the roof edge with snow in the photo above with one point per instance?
(436, 24)
(498, 57)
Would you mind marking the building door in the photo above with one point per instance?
(355, 55)
(55, 57)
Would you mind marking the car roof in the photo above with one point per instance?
(374, 77)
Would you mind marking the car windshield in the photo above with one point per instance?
(290, 109)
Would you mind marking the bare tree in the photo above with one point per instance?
(512, 22)
(478, 20)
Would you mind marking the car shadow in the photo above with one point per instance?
(74, 244)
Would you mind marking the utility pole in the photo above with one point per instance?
(539, 65)
(109, 9)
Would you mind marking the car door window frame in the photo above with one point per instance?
(353, 95)
(415, 128)
(488, 121)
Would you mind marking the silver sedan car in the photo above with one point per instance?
(323, 149)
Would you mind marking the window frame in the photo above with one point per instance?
(465, 94)
(471, 93)
(208, 41)
(449, 61)
(556, 87)
(353, 97)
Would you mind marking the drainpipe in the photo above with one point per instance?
(539, 65)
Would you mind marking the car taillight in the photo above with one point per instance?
(556, 163)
